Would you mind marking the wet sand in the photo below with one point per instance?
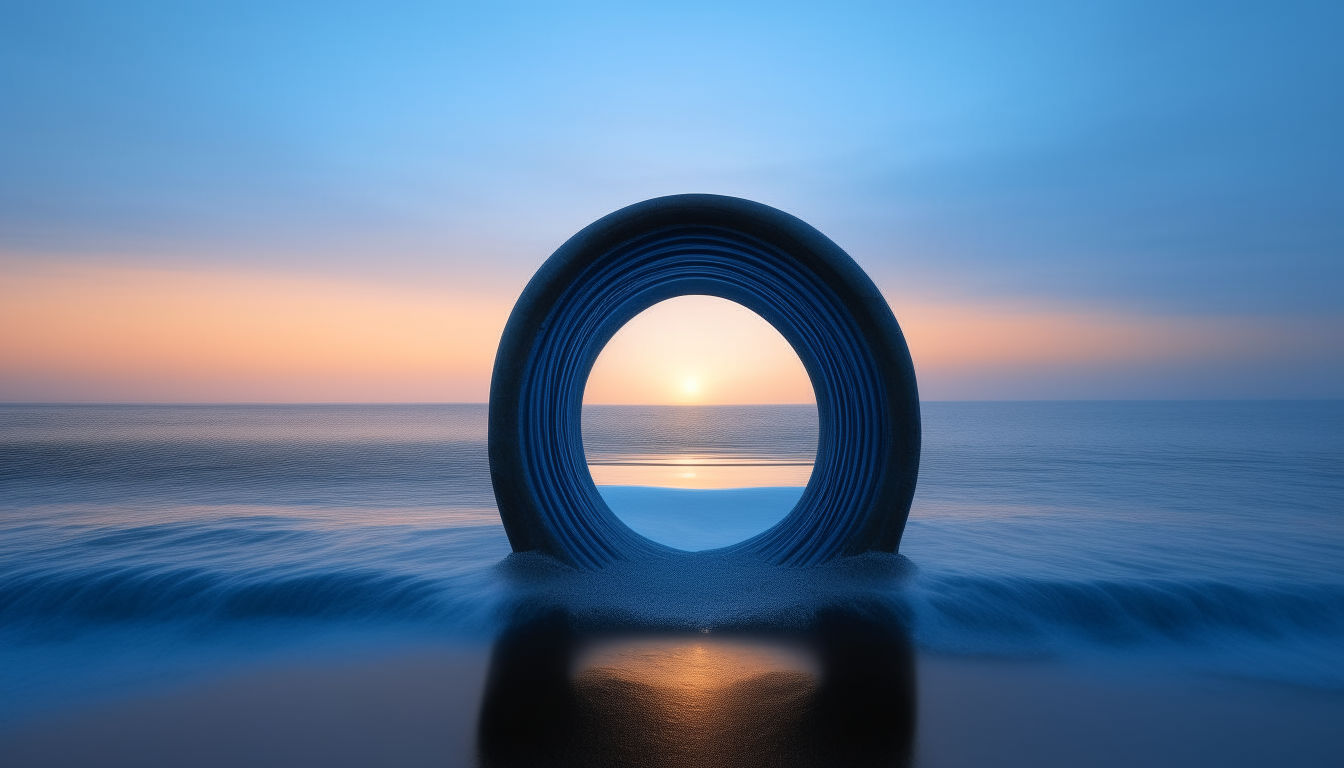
(1007, 714)
(415, 708)
(420, 707)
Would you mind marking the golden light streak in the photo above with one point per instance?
(700, 472)
(103, 333)
(684, 670)
(78, 332)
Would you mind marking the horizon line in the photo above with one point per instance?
(366, 403)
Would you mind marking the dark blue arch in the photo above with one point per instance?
(803, 284)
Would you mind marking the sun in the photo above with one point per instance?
(690, 386)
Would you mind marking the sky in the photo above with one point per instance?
(316, 202)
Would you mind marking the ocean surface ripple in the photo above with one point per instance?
(1207, 535)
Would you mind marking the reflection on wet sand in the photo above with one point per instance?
(841, 693)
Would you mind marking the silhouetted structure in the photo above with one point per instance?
(809, 289)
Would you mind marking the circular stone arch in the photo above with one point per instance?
(858, 497)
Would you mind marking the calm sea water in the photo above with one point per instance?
(136, 542)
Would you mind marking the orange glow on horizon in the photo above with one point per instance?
(961, 336)
(698, 350)
(117, 334)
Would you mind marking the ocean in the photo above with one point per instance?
(146, 544)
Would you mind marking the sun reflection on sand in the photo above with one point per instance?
(839, 692)
(693, 672)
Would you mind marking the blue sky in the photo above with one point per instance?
(1161, 160)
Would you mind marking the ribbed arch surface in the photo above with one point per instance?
(842, 329)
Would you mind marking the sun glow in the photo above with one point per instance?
(698, 350)
(690, 386)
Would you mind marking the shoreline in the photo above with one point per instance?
(419, 707)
